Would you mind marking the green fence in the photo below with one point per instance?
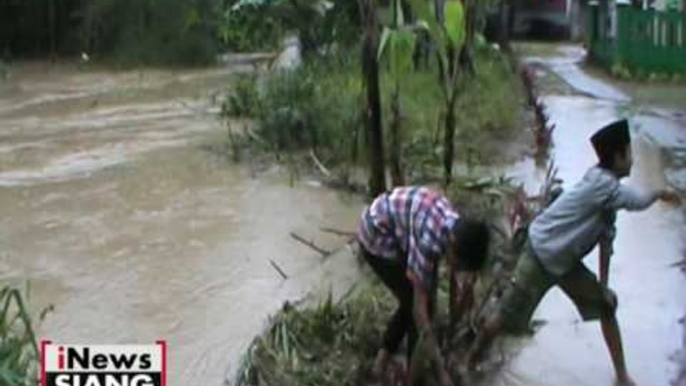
(650, 41)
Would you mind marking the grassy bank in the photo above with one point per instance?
(330, 344)
(320, 105)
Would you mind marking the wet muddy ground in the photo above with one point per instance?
(118, 216)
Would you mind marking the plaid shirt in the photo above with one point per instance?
(412, 225)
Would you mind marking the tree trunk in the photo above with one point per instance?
(370, 68)
(395, 150)
(407, 11)
(438, 10)
(420, 56)
(465, 59)
(449, 140)
(503, 35)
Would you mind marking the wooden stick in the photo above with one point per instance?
(338, 232)
(279, 270)
(254, 136)
(319, 165)
(312, 245)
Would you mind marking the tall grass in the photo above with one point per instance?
(18, 345)
(490, 109)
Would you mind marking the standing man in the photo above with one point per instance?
(403, 236)
(567, 231)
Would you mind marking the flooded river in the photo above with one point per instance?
(565, 351)
(118, 216)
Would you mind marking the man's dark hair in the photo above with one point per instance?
(472, 239)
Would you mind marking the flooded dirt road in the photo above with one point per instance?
(118, 216)
(565, 351)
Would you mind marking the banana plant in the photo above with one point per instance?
(396, 48)
(448, 37)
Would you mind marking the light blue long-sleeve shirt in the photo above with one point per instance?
(570, 228)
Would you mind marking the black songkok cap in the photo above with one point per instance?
(611, 139)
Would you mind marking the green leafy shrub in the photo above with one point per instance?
(288, 119)
(315, 107)
(251, 27)
(243, 99)
(255, 25)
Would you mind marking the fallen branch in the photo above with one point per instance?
(278, 269)
(255, 137)
(312, 245)
(319, 165)
(338, 232)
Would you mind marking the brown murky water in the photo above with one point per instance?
(567, 352)
(117, 215)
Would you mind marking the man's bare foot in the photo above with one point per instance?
(380, 363)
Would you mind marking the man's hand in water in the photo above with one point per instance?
(669, 197)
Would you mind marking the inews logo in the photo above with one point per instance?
(103, 365)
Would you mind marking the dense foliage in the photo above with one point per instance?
(168, 32)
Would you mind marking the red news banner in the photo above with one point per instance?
(103, 365)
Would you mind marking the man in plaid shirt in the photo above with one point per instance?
(403, 235)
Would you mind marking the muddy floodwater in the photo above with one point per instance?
(116, 213)
(565, 351)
